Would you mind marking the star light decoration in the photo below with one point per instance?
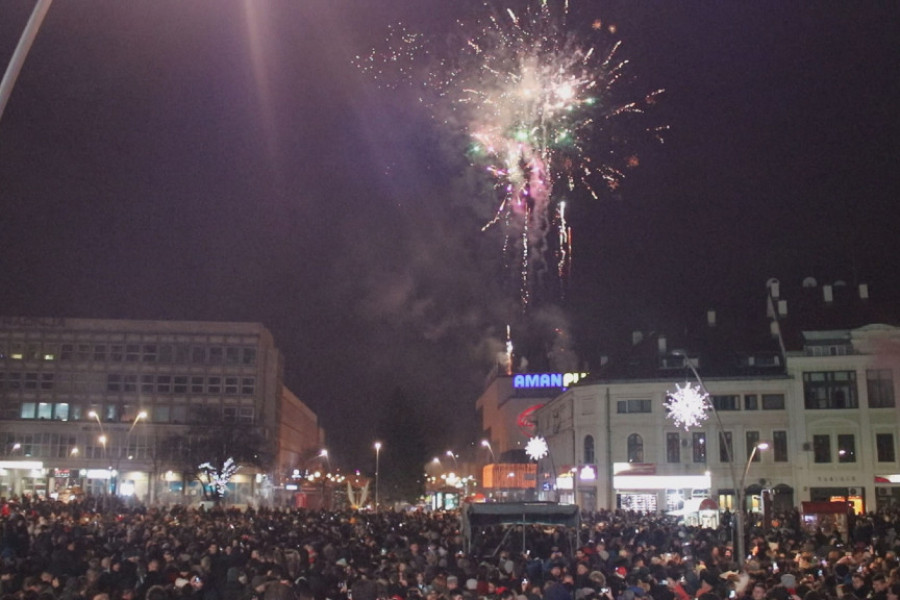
(536, 448)
(688, 406)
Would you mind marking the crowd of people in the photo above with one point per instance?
(87, 550)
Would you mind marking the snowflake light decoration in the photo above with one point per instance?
(536, 449)
(688, 406)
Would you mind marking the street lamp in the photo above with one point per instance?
(115, 475)
(693, 398)
(740, 496)
(487, 445)
(453, 456)
(377, 456)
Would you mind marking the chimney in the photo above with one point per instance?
(661, 344)
(711, 318)
(864, 291)
(782, 308)
(636, 338)
(828, 294)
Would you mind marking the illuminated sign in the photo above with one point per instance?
(545, 380)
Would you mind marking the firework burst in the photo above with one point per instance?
(537, 101)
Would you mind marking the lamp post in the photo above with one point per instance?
(487, 445)
(702, 394)
(115, 475)
(453, 456)
(377, 456)
(740, 497)
(324, 455)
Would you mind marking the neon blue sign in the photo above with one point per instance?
(545, 380)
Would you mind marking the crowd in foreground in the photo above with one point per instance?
(86, 551)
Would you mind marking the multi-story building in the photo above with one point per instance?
(821, 396)
(87, 401)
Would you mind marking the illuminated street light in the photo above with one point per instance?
(453, 456)
(696, 398)
(487, 445)
(377, 456)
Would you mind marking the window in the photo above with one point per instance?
(148, 384)
(129, 383)
(779, 446)
(231, 385)
(246, 416)
(180, 384)
(31, 381)
(232, 355)
(132, 352)
(84, 352)
(846, 447)
(248, 386)
(634, 405)
(100, 352)
(66, 352)
(161, 413)
(46, 381)
(751, 402)
(589, 449)
(197, 384)
(149, 353)
(673, 448)
(198, 355)
(822, 448)
(116, 352)
(45, 410)
(635, 448)
(113, 382)
(699, 446)
(27, 411)
(829, 390)
(61, 411)
(752, 441)
(726, 402)
(163, 384)
(884, 447)
(726, 448)
(880, 388)
(773, 401)
(165, 354)
(215, 355)
(182, 352)
(229, 414)
(248, 356)
(214, 385)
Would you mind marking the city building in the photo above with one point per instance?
(506, 411)
(804, 409)
(85, 404)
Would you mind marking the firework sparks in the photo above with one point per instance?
(537, 101)
(688, 406)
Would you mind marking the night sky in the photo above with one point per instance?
(225, 160)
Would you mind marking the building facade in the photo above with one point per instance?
(86, 403)
(822, 397)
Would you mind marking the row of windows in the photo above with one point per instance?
(822, 445)
(180, 384)
(181, 354)
(675, 446)
(112, 413)
(837, 389)
(845, 444)
(720, 403)
(132, 382)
